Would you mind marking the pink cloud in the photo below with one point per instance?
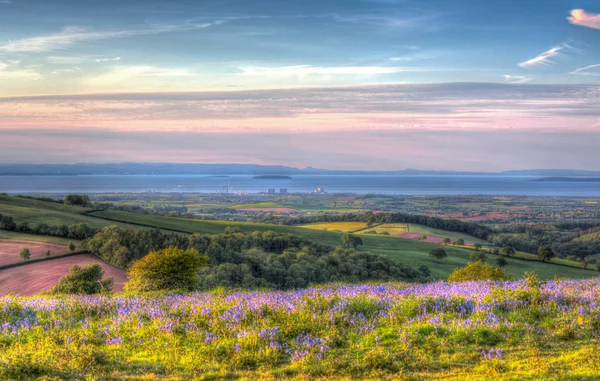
(583, 18)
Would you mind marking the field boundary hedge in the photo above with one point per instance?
(25, 263)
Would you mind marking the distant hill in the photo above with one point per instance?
(80, 169)
(570, 179)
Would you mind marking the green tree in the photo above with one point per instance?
(477, 246)
(478, 271)
(501, 262)
(350, 240)
(423, 237)
(78, 200)
(477, 255)
(25, 254)
(446, 241)
(167, 269)
(507, 251)
(83, 280)
(460, 242)
(545, 253)
(438, 254)
(71, 246)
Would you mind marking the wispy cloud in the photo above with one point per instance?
(547, 58)
(75, 34)
(516, 78)
(10, 70)
(592, 70)
(583, 18)
(80, 59)
(108, 59)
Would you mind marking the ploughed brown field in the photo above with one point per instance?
(10, 249)
(40, 277)
(430, 238)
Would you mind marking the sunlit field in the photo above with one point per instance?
(345, 227)
(515, 330)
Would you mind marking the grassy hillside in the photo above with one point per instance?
(34, 237)
(414, 228)
(411, 252)
(35, 212)
(407, 251)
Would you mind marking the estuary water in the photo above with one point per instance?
(358, 184)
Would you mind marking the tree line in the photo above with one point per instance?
(254, 260)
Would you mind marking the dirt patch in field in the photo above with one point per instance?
(40, 277)
(430, 238)
(10, 249)
(269, 210)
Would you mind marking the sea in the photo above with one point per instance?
(355, 184)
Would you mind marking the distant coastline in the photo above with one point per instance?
(272, 177)
(570, 179)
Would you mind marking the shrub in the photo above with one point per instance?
(477, 255)
(352, 241)
(167, 269)
(438, 254)
(83, 280)
(460, 242)
(478, 271)
(25, 254)
(507, 251)
(71, 246)
(545, 253)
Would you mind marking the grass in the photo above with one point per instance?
(461, 331)
(410, 252)
(345, 227)
(53, 214)
(392, 229)
(258, 205)
(33, 237)
(407, 251)
(414, 228)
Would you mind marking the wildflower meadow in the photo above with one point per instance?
(524, 329)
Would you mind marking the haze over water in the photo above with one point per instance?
(358, 184)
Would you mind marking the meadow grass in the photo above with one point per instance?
(411, 252)
(53, 214)
(258, 205)
(34, 237)
(345, 227)
(393, 229)
(461, 331)
(422, 229)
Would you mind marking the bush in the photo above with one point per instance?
(478, 271)
(167, 269)
(25, 254)
(83, 280)
(438, 254)
(477, 255)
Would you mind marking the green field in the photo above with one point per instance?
(414, 228)
(33, 237)
(345, 227)
(35, 212)
(410, 252)
(258, 205)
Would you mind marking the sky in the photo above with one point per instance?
(341, 84)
